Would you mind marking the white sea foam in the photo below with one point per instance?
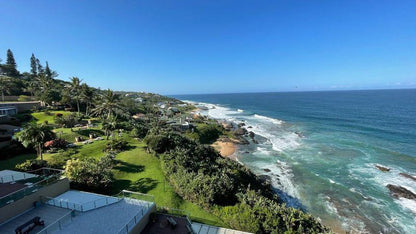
(408, 204)
(275, 121)
(240, 110)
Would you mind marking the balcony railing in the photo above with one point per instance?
(30, 189)
(80, 206)
(58, 224)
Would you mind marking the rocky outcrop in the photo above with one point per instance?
(382, 168)
(408, 176)
(240, 131)
(399, 191)
(266, 170)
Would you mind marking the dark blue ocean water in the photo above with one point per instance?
(322, 147)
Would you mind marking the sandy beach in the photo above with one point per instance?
(226, 149)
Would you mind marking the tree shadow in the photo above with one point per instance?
(87, 132)
(129, 167)
(144, 185)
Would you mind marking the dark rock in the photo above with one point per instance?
(241, 125)
(382, 168)
(265, 178)
(240, 131)
(408, 176)
(249, 127)
(398, 191)
(251, 134)
(266, 170)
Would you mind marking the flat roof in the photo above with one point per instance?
(7, 108)
(49, 214)
(7, 176)
(8, 188)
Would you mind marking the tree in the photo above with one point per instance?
(35, 135)
(90, 174)
(87, 96)
(75, 90)
(109, 125)
(11, 65)
(33, 65)
(39, 66)
(49, 73)
(109, 105)
(5, 86)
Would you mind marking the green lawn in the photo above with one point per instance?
(41, 117)
(11, 162)
(139, 171)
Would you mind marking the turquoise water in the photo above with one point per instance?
(320, 150)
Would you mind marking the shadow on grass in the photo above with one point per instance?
(87, 132)
(128, 167)
(144, 185)
(119, 185)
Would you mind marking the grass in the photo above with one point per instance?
(41, 117)
(12, 162)
(141, 172)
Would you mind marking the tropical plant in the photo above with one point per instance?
(5, 86)
(109, 125)
(35, 135)
(75, 90)
(108, 105)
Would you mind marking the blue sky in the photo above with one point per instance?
(183, 47)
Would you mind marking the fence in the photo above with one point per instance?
(58, 224)
(132, 223)
(80, 206)
(136, 195)
(12, 197)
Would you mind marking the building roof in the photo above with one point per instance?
(7, 176)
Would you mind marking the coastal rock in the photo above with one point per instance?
(382, 168)
(399, 191)
(241, 125)
(251, 134)
(267, 170)
(240, 131)
(408, 176)
(249, 127)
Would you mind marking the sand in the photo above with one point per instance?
(226, 149)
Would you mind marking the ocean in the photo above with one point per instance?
(320, 150)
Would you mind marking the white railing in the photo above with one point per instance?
(81, 206)
(58, 224)
(132, 223)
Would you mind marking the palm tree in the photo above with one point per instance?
(109, 125)
(108, 105)
(87, 96)
(35, 135)
(75, 89)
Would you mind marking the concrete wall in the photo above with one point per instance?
(143, 221)
(16, 208)
(22, 106)
(14, 98)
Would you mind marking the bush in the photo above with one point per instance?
(117, 145)
(30, 165)
(257, 214)
(56, 144)
(67, 121)
(23, 98)
(90, 174)
(59, 160)
(139, 131)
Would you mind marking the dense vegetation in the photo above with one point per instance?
(91, 134)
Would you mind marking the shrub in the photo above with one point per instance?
(59, 160)
(67, 121)
(56, 144)
(116, 145)
(59, 115)
(90, 174)
(23, 98)
(30, 165)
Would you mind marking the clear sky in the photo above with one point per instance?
(183, 47)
